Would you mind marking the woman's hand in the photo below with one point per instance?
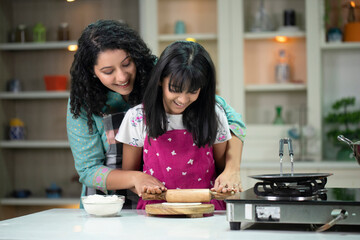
(146, 183)
(228, 181)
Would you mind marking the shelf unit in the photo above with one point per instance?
(35, 95)
(289, 87)
(245, 60)
(46, 144)
(273, 34)
(44, 156)
(339, 71)
(340, 46)
(28, 46)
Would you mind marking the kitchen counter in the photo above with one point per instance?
(135, 224)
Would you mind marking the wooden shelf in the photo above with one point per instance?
(36, 46)
(34, 144)
(275, 87)
(340, 45)
(269, 35)
(35, 95)
(197, 36)
(32, 201)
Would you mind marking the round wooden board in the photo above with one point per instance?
(189, 210)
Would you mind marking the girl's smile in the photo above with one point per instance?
(177, 102)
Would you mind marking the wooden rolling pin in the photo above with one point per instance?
(187, 195)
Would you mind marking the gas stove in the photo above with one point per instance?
(327, 207)
(294, 198)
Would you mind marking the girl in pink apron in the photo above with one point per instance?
(179, 131)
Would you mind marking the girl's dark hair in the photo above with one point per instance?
(189, 67)
(87, 92)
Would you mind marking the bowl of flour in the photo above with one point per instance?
(103, 205)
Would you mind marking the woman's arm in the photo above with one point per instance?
(230, 179)
(88, 152)
(236, 124)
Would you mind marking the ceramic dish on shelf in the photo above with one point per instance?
(103, 205)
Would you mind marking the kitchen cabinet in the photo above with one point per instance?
(44, 157)
(339, 72)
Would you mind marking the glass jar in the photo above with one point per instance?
(63, 32)
(21, 33)
(39, 33)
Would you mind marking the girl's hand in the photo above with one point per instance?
(146, 183)
(227, 182)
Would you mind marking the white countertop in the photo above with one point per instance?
(134, 224)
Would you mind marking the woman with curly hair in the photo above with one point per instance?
(109, 74)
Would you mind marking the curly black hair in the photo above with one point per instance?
(87, 92)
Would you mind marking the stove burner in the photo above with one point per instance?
(298, 191)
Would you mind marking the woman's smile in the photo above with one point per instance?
(116, 70)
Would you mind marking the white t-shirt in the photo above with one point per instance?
(132, 130)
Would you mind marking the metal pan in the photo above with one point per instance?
(287, 177)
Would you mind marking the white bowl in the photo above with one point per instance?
(103, 205)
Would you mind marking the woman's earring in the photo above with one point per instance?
(94, 76)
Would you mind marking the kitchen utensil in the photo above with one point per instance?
(13, 85)
(192, 211)
(103, 205)
(21, 33)
(55, 82)
(355, 146)
(64, 32)
(180, 27)
(289, 177)
(39, 33)
(187, 195)
(16, 129)
(296, 177)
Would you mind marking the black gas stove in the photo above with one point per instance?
(294, 198)
(331, 206)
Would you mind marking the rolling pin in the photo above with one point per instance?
(187, 195)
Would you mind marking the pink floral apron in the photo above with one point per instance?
(176, 161)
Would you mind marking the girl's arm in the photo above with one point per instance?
(130, 178)
(132, 134)
(141, 182)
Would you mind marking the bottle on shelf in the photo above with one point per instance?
(21, 34)
(39, 33)
(64, 32)
(282, 68)
(278, 117)
(262, 21)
